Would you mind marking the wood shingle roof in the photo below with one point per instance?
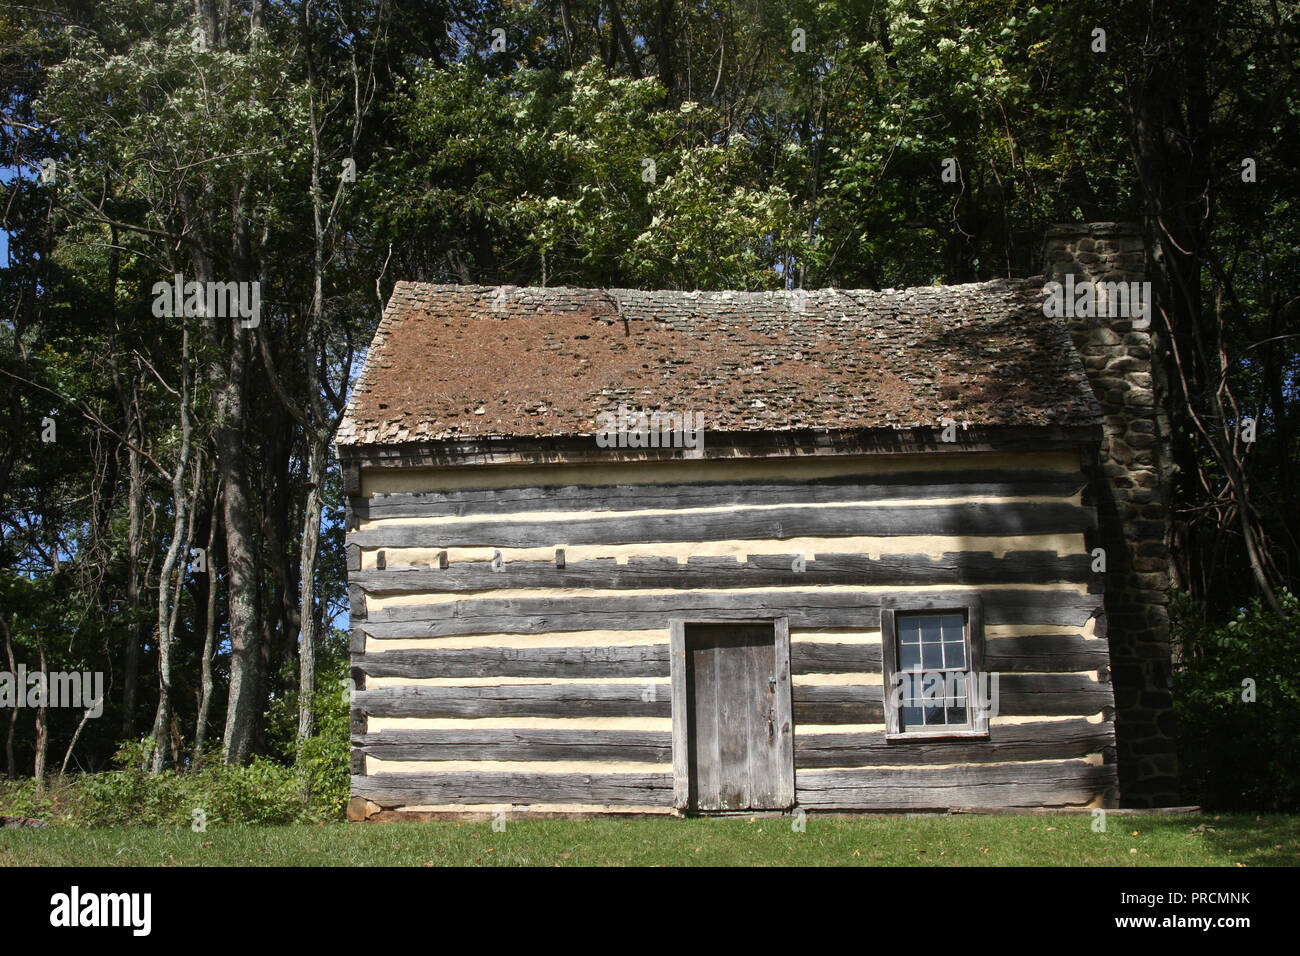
(453, 362)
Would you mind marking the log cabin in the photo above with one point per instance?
(621, 551)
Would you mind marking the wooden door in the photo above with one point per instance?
(739, 738)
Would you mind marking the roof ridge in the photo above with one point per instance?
(1007, 283)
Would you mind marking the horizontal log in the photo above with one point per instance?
(1046, 695)
(642, 660)
(978, 482)
(525, 743)
(767, 570)
(805, 609)
(1050, 740)
(1064, 783)
(818, 704)
(809, 657)
(1045, 653)
(971, 518)
(1036, 653)
(1052, 695)
(407, 789)
(838, 704)
(516, 700)
(1046, 784)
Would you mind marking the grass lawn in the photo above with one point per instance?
(939, 840)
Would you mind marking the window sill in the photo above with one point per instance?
(937, 735)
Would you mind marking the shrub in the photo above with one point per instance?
(263, 792)
(1236, 754)
(131, 796)
(323, 760)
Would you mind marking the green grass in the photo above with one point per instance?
(939, 840)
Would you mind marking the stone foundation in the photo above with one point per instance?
(1132, 506)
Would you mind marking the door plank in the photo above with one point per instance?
(783, 796)
(735, 714)
(762, 768)
(706, 780)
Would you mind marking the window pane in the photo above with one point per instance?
(934, 715)
(932, 656)
(909, 631)
(911, 717)
(931, 631)
(954, 656)
(909, 656)
(954, 627)
(956, 715)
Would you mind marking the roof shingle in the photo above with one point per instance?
(455, 362)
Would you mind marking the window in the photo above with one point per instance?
(933, 645)
(932, 655)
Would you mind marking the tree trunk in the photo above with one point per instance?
(134, 548)
(67, 754)
(171, 581)
(244, 701)
(624, 41)
(307, 585)
(566, 23)
(42, 727)
(11, 768)
(128, 400)
(209, 630)
(229, 383)
(665, 54)
(279, 621)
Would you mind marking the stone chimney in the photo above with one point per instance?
(1130, 488)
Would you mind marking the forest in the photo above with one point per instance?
(170, 506)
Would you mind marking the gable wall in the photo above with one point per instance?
(549, 686)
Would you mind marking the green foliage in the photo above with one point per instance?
(292, 785)
(1235, 753)
(819, 167)
(592, 179)
(320, 762)
(323, 759)
(262, 793)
